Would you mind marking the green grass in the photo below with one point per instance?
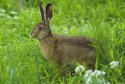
(21, 61)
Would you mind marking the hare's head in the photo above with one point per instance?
(42, 30)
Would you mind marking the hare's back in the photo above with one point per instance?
(79, 41)
(75, 48)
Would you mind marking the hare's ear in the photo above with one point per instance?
(48, 11)
(41, 11)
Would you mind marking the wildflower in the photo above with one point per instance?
(80, 69)
(88, 74)
(114, 64)
(98, 73)
(88, 81)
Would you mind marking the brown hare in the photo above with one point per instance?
(62, 49)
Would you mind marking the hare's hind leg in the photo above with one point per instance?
(67, 69)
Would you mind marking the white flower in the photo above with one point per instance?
(89, 71)
(114, 64)
(80, 69)
(103, 73)
(88, 74)
(98, 73)
(89, 80)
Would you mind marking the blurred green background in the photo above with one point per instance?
(21, 61)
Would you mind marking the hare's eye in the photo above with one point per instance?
(39, 28)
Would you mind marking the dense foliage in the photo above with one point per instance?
(20, 58)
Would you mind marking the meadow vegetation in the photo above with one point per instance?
(21, 61)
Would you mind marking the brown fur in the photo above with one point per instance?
(66, 49)
(63, 49)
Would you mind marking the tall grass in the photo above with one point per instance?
(21, 61)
